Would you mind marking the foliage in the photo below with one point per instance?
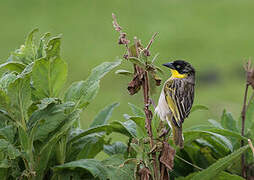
(40, 135)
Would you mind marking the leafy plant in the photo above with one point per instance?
(41, 137)
(39, 126)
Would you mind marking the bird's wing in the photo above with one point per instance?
(179, 96)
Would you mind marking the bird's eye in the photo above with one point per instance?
(178, 66)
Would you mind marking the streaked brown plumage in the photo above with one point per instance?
(177, 97)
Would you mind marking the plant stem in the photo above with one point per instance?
(149, 115)
(243, 115)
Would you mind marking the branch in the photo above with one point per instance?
(151, 41)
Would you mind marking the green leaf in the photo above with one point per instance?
(60, 131)
(19, 93)
(218, 140)
(198, 107)
(119, 168)
(228, 122)
(48, 77)
(137, 61)
(8, 149)
(223, 132)
(249, 123)
(127, 128)
(221, 176)
(49, 118)
(219, 166)
(115, 148)
(24, 140)
(215, 123)
(136, 110)
(124, 72)
(83, 92)
(13, 66)
(41, 49)
(6, 80)
(104, 115)
(91, 166)
(8, 133)
(225, 176)
(53, 47)
(27, 53)
(4, 101)
(86, 147)
(140, 122)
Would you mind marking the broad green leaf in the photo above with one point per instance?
(4, 101)
(225, 176)
(91, 166)
(215, 123)
(221, 176)
(6, 80)
(115, 148)
(127, 128)
(50, 117)
(119, 168)
(198, 107)
(223, 132)
(60, 131)
(48, 77)
(90, 146)
(104, 115)
(4, 164)
(8, 149)
(42, 160)
(218, 140)
(83, 92)
(140, 122)
(19, 93)
(41, 49)
(124, 72)
(86, 147)
(27, 53)
(228, 122)
(8, 133)
(136, 110)
(53, 48)
(13, 66)
(219, 166)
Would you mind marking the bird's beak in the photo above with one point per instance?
(169, 65)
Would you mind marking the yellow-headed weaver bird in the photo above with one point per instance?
(177, 97)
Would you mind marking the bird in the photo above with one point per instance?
(176, 98)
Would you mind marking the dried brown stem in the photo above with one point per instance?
(243, 115)
(149, 116)
(151, 41)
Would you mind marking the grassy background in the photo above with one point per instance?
(215, 36)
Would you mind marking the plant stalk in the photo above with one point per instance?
(149, 115)
(243, 116)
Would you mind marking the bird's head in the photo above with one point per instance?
(180, 69)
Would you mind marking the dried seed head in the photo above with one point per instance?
(249, 73)
(115, 24)
(123, 39)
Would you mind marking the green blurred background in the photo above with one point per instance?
(215, 36)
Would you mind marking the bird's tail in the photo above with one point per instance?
(177, 136)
